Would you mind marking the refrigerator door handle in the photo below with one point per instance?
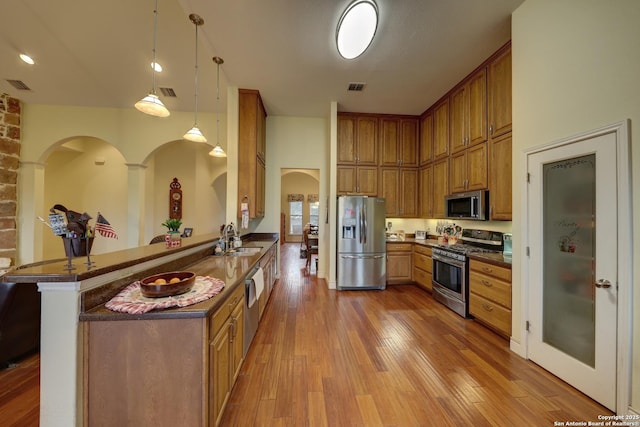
(364, 222)
(362, 257)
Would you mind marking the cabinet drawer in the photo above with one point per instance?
(219, 318)
(423, 262)
(491, 288)
(399, 247)
(491, 270)
(490, 313)
(424, 250)
(422, 278)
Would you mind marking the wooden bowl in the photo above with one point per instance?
(150, 289)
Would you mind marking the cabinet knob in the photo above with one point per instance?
(487, 269)
(487, 307)
(487, 283)
(491, 129)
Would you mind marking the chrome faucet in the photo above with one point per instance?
(230, 236)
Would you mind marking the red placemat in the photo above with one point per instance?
(130, 299)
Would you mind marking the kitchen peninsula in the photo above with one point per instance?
(76, 328)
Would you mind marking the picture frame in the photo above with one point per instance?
(188, 231)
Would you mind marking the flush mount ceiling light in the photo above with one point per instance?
(156, 67)
(26, 58)
(217, 151)
(356, 28)
(194, 133)
(151, 104)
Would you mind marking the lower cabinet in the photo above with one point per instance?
(490, 295)
(162, 372)
(226, 333)
(422, 266)
(399, 263)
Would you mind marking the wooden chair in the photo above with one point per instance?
(311, 245)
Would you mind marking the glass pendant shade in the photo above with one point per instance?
(217, 151)
(152, 105)
(194, 135)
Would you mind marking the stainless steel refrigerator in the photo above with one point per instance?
(362, 250)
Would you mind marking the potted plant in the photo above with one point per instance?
(172, 237)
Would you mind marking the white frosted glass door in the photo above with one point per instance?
(572, 267)
(568, 306)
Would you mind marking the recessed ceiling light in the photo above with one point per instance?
(356, 28)
(157, 67)
(26, 58)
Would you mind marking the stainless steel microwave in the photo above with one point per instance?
(471, 205)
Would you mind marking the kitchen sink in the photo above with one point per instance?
(243, 251)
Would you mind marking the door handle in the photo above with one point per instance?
(603, 283)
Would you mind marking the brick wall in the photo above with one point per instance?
(9, 157)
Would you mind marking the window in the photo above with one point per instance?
(314, 213)
(295, 218)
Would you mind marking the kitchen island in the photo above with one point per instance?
(74, 319)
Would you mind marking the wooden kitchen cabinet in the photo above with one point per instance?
(399, 263)
(440, 186)
(499, 93)
(357, 140)
(426, 138)
(468, 169)
(441, 129)
(425, 191)
(163, 372)
(422, 266)
(226, 352)
(468, 113)
(252, 145)
(490, 295)
(500, 199)
(398, 142)
(399, 187)
(361, 180)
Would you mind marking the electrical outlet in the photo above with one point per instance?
(389, 225)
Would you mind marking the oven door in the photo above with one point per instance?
(449, 276)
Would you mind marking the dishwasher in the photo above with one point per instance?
(253, 285)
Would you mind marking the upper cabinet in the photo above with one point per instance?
(441, 129)
(468, 112)
(252, 144)
(499, 88)
(357, 140)
(399, 142)
(426, 138)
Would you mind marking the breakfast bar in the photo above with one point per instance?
(162, 367)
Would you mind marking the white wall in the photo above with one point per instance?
(295, 143)
(129, 141)
(74, 180)
(575, 68)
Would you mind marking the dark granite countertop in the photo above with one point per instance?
(230, 269)
(496, 259)
(432, 241)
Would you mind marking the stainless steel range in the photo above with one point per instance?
(451, 270)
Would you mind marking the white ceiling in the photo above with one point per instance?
(97, 53)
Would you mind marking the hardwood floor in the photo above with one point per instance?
(365, 358)
(392, 358)
(20, 393)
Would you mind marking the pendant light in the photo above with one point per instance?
(151, 104)
(194, 133)
(217, 150)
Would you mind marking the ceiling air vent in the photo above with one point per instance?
(167, 91)
(356, 87)
(19, 84)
